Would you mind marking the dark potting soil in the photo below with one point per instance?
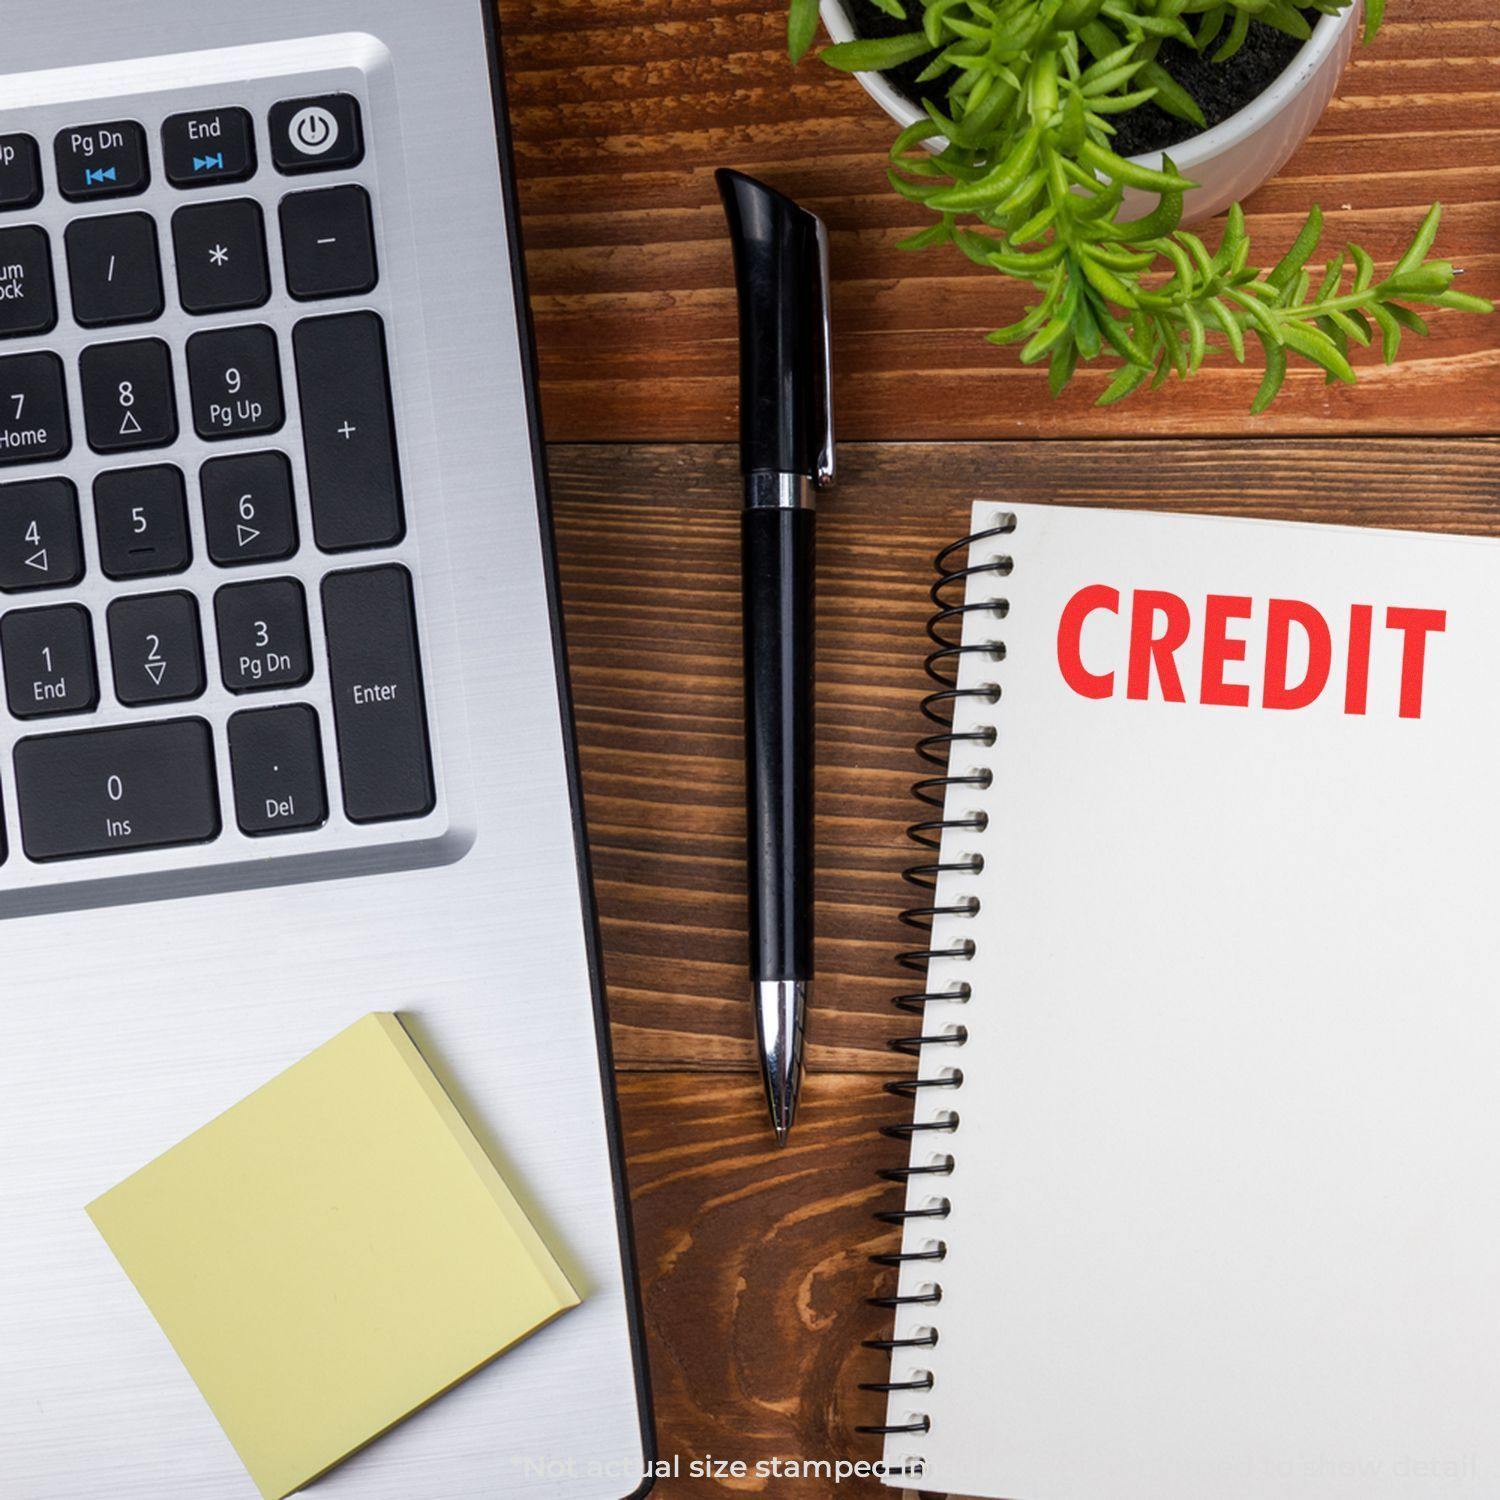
(1220, 89)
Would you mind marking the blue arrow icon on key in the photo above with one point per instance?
(209, 163)
(95, 176)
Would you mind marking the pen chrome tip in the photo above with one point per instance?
(780, 1009)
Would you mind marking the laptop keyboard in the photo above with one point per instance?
(144, 573)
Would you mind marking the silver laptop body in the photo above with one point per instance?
(183, 911)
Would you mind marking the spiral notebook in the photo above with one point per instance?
(1204, 1199)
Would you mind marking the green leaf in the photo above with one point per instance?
(1364, 268)
(801, 27)
(1064, 362)
(1117, 336)
(1459, 302)
(1107, 83)
(1197, 338)
(1303, 246)
(1208, 31)
(1426, 236)
(1275, 376)
(1173, 346)
(978, 247)
(995, 184)
(1129, 379)
(1285, 17)
(893, 8)
(1043, 343)
(1234, 238)
(1086, 332)
(1407, 318)
(1132, 174)
(1333, 275)
(1312, 343)
(1235, 40)
(1199, 252)
(1374, 15)
(1034, 227)
(1230, 324)
(1390, 329)
(913, 136)
(1106, 282)
(1171, 96)
(938, 234)
(1426, 281)
(875, 54)
(1160, 222)
(1265, 324)
(1116, 58)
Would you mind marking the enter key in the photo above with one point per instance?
(379, 710)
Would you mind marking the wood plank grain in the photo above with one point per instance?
(754, 1271)
(623, 108)
(648, 541)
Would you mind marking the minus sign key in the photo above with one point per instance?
(329, 241)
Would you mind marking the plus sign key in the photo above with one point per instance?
(102, 161)
(353, 477)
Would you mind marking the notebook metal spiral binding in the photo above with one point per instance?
(945, 630)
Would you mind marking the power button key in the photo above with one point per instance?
(322, 134)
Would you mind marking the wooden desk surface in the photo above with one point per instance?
(753, 1260)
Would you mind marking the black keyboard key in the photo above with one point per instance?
(263, 635)
(49, 661)
(142, 521)
(105, 791)
(114, 269)
(319, 134)
(221, 256)
(328, 239)
(248, 512)
(129, 397)
(353, 475)
(235, 374)
(379, 711)
(28, 304)
(156, 648)
(33, 409)
(40, 543)
(207, 146)
(276, 756)
(102, 161)
(20, 172)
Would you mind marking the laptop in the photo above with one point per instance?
(284, 732)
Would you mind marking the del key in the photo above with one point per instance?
(378, 707)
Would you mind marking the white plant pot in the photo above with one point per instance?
(1233, 158)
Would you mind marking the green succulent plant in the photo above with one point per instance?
(1026, 184)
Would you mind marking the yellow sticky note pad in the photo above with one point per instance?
(331, 1254)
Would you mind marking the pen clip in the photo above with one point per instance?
(827, 462)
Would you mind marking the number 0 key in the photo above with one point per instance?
(104, 791)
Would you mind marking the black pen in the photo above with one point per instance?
(786, 453)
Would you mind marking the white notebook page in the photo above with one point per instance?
(1225, 1212)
